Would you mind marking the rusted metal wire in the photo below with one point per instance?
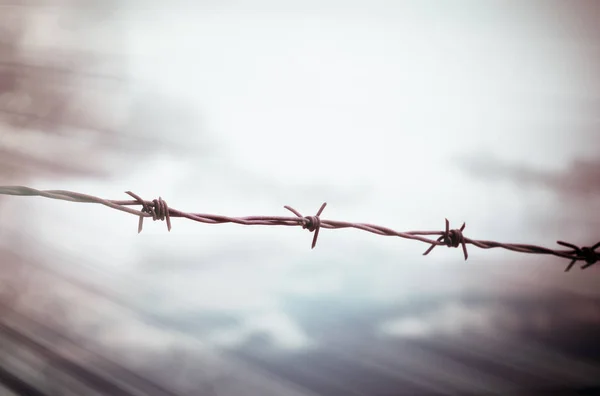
(157, 209)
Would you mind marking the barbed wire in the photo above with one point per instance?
(157, 209)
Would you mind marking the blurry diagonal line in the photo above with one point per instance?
(10, 160)
(22, 67)
(39, 118)
(131, 377)
(365, 363)
(93, 378)
(17, 385)
(532, 358)
(122, 138)
(93, 55)
(45, 4)
(139, 312)
(447, 372)
(78, 371)
(157, 209)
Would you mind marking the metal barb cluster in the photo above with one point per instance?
(452, 238)
(157, 209)
(586, 253)
(311, 223)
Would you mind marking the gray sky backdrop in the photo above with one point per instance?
(395, 113)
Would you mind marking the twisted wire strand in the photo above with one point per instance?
(158, 209)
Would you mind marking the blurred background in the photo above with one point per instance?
(395, 113)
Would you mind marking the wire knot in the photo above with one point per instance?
(159, 210)
(589, 255)
(310, 223)
(585, 253)
(451, 238)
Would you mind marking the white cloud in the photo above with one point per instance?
(496, 319)
(453, 318)
(407, 327)
(281, 330)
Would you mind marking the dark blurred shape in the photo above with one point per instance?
(17, 385)
(50, 120)
(574, 193)
(580, 179)
(56, 107)
(98, 373)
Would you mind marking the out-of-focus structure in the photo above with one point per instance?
(68, 109)
(87, 309)
(59, 98)
(63, 107)
(61, 94)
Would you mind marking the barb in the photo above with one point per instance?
(452, 238)
(312, 223)
(587, 254)
(157, 209)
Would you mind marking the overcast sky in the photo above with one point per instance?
(395, 113)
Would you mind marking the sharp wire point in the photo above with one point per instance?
(158, 209)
